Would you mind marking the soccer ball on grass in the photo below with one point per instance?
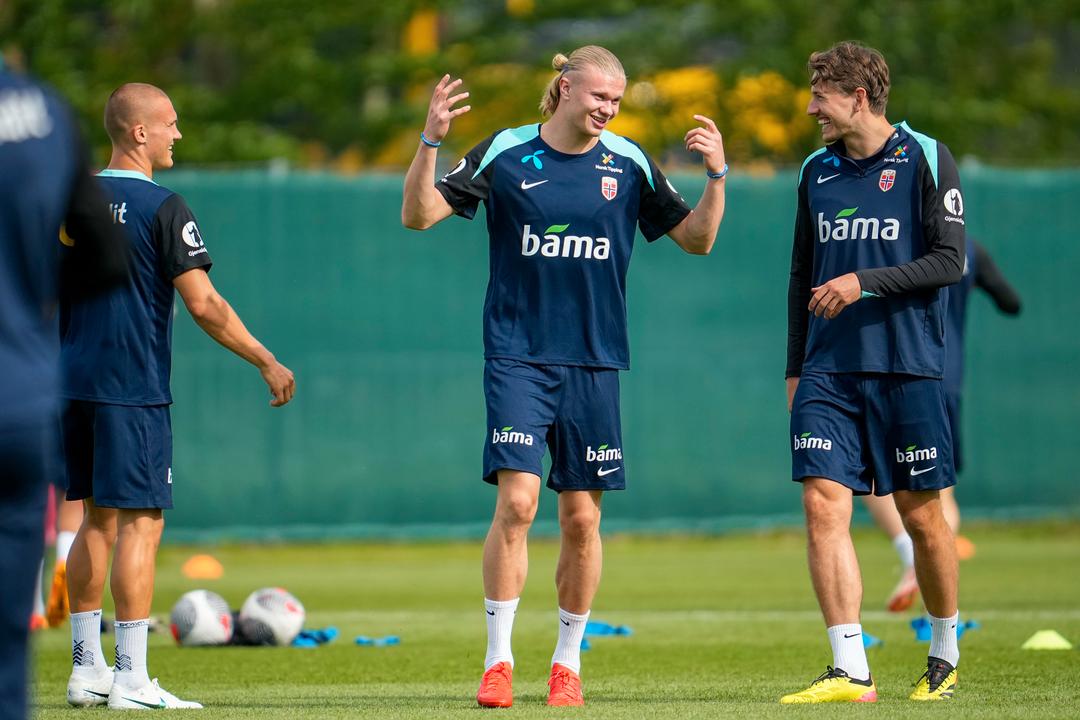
(271, 616)
(201, 617)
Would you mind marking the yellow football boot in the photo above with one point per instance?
(834, 685)
(937, 683)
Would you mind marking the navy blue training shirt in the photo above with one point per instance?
(896, 220)
(117, 348)
(561, 231)
(44, 180)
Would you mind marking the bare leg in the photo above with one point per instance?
(138, 536)
(950, 509)
(883, 511)
(834, 567)
(88, 561)
(506, 554)
(581, 554)
(935, 549)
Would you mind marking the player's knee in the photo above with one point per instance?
(824, 510)
(517, 510)
(580, 525)
(922, 522)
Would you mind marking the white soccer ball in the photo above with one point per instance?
(271, 616)
(201, 617)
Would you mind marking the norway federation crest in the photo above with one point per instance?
(885, 182)
(609, 187)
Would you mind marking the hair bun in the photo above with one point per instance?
(559, 61)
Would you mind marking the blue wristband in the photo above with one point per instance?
(717, 176)
(427, 142)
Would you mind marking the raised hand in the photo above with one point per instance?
(708, 142)
(442, 110)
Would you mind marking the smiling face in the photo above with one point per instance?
(835, 111)
(589, 99)
(160, 131)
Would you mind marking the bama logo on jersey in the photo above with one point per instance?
(845, 226)
(552, 244)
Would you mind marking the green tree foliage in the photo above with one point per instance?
(327, 81)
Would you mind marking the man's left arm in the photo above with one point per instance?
(696, 233)
(941, 265)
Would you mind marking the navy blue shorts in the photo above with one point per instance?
(871, 432)
(572, 411)
(119, 455)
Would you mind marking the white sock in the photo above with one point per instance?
(500, 624)
(905, 549)
(39, 600)
(568, 649)
(86, 640)
(848, 652)
(131, 652)
(943, 643)
(64, 538)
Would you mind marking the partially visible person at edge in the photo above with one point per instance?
(562, 200)
(879, 233)
(980, 271)
(116, 362)
(45, 182)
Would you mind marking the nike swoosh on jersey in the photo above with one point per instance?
(526, 185)
(602, 472)
(821, 179)
(915, 472)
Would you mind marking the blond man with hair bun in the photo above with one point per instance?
(563, 200)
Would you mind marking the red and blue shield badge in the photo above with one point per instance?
(609, 187)
(885, 182)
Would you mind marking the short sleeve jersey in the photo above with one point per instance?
(561, 231)
(117, 348)
(860, 216)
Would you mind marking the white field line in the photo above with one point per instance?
(718, 616)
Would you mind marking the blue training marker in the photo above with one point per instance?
(365, 641)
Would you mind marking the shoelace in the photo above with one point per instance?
(935, 674)
(830, 672)
(501, 675)
(560, 681)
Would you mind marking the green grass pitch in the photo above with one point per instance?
(722, 628)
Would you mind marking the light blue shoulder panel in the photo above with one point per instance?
(130, 174)
(806, 162)
(621, 146)
(506, 140)
(929, 148)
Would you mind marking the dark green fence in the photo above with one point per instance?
(382, 327)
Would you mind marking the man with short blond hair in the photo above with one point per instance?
(879, 232)
(115, 364)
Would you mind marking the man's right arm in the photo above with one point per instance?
(799, 282)
(991, 280)
(421, 204)
(217, 318)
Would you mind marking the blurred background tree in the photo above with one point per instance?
(345, 85)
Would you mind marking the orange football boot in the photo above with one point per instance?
(903, 596)
(38, 622)
(496, 687)
(56, 610)
(565, 687)
(965, 549)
